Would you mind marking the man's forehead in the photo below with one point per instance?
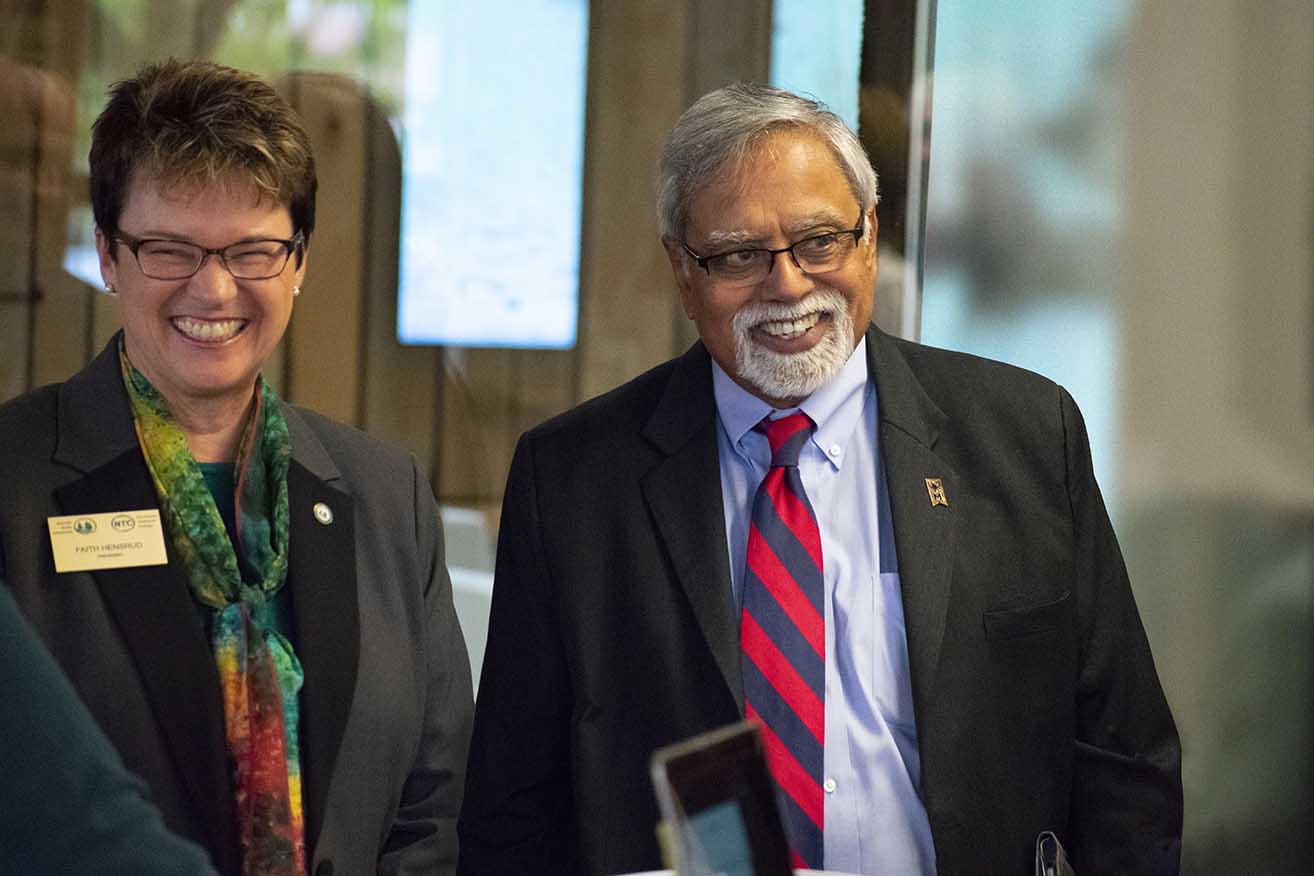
(791, 225)
(790, 183)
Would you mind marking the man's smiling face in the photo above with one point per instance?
(787, 335)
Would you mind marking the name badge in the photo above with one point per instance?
(116, 540)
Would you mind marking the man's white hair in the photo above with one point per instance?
(724, 127)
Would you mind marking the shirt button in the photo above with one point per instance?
(835, 451)
(829, 785)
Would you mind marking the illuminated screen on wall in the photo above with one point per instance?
(493, 157)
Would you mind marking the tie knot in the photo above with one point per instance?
(787, 437)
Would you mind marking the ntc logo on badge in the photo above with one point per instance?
(84, 526)
(123, 523)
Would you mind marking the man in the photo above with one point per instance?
(926, 609)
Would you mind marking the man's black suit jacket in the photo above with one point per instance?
(613, 630)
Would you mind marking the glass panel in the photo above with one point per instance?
(1024, 193)
(493, 156)
(816, 49)
(1119, 198)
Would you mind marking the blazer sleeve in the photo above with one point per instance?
(519, 815)
(69, 805)
(1126, 808)
(422, 837)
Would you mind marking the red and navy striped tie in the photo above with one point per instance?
(783, 637)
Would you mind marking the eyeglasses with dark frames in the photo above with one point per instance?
(813, 255)
(163, 259)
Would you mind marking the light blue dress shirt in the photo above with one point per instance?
(875, 822)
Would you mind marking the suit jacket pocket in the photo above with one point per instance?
(1029, 620)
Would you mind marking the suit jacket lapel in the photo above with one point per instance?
(924, 533)
(322, 578)
(151, 605)
(684, 495)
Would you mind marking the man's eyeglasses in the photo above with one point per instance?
(162, 259)
(747, 267)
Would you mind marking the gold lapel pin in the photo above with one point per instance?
(323, 513)
(935, 489)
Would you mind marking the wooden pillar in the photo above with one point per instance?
(648, 60)
(324, 356)
(45, 314)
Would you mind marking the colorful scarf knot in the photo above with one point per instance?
(238, 578)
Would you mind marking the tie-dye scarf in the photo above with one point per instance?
(258, 672)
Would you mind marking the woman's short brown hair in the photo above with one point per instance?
(198, 123)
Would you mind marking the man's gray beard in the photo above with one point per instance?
(793, 375)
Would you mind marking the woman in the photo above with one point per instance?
(266, 630)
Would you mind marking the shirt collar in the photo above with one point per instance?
(835, 408)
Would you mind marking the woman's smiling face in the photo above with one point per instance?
(204, 339)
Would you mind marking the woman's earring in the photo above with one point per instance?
(296, 290)
(110, 290)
